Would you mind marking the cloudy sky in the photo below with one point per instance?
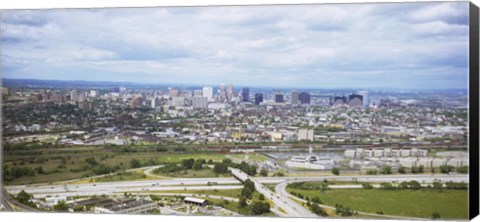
(402, 46)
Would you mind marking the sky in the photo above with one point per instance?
(387, 45)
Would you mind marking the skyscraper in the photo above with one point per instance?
(295, 98)
(200, 102)
(258, 98)
(208, 92)
(355, 100)
(229, 92)
(366, 101)
(304, 98)
(245, 94)
(278, 98)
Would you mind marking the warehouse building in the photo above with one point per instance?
(131, 206)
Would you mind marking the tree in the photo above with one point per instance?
(60, 206)
(446, 169)
(415, 185)
(261, 197)
(367, 186)
(188, 163)
(197, 165)
(134, 163)
(91, 161)
(386, 170)
(386, 185)
(220, 168)
(437, 185)
(462, 170)
(318, 210)
(401, 170)
(39, 170)
(435, 216)
(316, 199)
(242, 202)
(263, 173)
(258, 208)
(24, 198)
(335, 171)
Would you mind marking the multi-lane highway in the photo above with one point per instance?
(215, 183)
(281, 198)
(291, 208)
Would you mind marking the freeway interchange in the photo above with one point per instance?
(280, 198)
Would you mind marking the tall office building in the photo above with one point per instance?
(93, 93)
(258, 98)
(295, 98)
(200, 102)
(74, 95)
(278, 98)
(245, 94)
(304, 98)
(222, 93)
(229, 92)
(173, 92)
(198, 92)
(355, 100)
(366, 101)
(155, 102)
(208, 92)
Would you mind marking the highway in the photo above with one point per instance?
(215, 183)
(291, 208)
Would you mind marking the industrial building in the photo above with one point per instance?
(310, 162)
(131, 206)
(195, 201)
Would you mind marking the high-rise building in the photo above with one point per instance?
(173, 92)
(137, 102)
(223, 93)
(200, 102)
(305, 134)
(355, 100)
(74, 95)
(278, 98)
(304, 98)
(208, 92)
(198, 92)
(258, 98)
(295, 98)
(339, 101)
(155, 102)
(366, 101)
(93, 93)
(229, 92)
(245, 94)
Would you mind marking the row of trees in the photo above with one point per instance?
(415, 185)
(222, 167)
(256, 207)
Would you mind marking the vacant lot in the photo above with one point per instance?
(60, 164)
(450, 204)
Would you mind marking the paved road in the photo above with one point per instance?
(291, 208)
(123, 186)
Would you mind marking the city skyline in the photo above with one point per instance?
(401, 46)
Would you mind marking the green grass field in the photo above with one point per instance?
(451, 204)
(207, 172)
(74, 160)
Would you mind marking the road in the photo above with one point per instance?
(216, 182)
(291, 208)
